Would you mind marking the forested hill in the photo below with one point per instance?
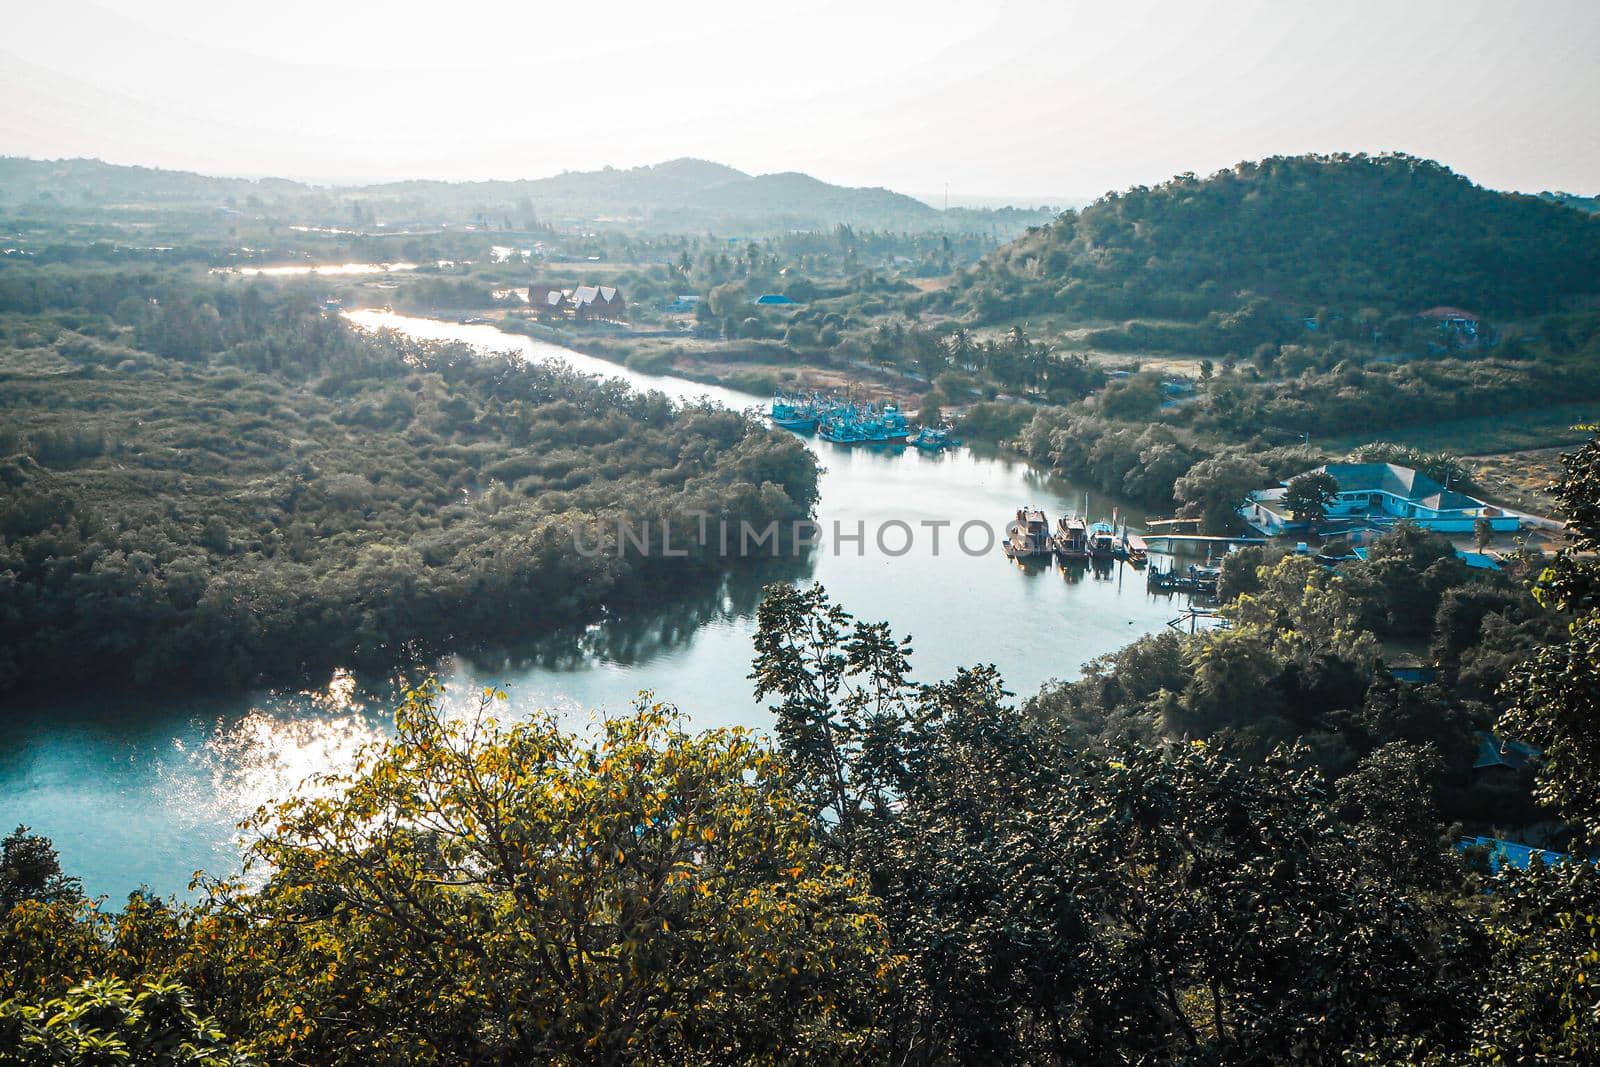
(1390, 233)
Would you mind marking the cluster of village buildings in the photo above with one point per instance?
(602, 303)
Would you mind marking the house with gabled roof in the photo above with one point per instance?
(584, 302)
(1377, 495)
(598, 302)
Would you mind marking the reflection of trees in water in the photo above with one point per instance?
(646, 632)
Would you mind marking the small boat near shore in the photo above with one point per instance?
(1194, 579)
(935, 438)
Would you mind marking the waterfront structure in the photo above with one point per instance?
(1378, 495)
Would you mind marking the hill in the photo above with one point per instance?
(685, 195)
(1590, 204)
(1391, 234)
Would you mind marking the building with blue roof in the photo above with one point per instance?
(1503, 853)
(1379, 495)
(1493, 751)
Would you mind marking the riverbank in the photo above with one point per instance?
(750, 366)
(170, 781)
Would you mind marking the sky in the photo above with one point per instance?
(999, 100)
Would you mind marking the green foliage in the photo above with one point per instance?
(277, 493)
(523, 894)
(1225, 847)
(1555, 695)
(1135, 397)
(1443, 467)
(1138, 461)
(1541, 1002)
(996, 420)
(1058, 907)
(1404, 577)
(107, 1021)
(1391, 233)
(30, 869)
(1214, 488)
(1307, 496)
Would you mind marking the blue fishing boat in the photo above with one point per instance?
(934, 438)
(888, 426)
(797, 413)
(841, 430)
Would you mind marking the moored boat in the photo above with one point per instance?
(935, 438)
(841, 430)
(890, 427)
(1102, 541)
(1071, 540)
(1028, 536)
(798, 413)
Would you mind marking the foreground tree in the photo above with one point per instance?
(1556, 694)
(1167, 905)
(1308, 495)
(523, 894)
(30, 869)
(107, 1021)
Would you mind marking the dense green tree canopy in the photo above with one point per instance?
(226, 484)
(1389, 232)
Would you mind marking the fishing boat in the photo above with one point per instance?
(935, 438)
(1071, 541)
(795, 413)
(1028, 536)
(887, 426)
(841, 429)
(1134, 549)
(1103, 541)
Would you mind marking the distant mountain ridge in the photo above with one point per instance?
(680, 193)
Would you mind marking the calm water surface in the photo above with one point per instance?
(145, 792)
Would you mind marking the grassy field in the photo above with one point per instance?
(1520, 479)
(1487, 435)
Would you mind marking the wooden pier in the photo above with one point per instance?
(1169, 542)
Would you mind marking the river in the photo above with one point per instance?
(144, 792)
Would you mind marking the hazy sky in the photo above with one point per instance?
(996, 98)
